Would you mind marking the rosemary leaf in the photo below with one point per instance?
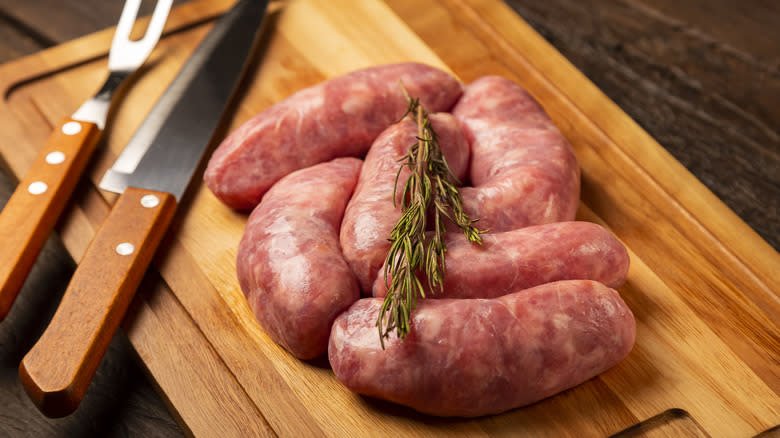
(431, 186)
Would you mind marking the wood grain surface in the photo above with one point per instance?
(697, 79)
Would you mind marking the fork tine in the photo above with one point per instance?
(124, 57)
(157, 22)
(126, 21)
(126, 54)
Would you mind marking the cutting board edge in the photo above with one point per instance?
(4, 86)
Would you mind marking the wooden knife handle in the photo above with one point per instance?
(36, 204)
(58, 369)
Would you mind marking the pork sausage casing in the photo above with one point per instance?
(337, 118)
(523, 170)
(473, 357)
(520, 259)
(290, 265)
(371, 214)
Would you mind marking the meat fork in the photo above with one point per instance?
(38, 201)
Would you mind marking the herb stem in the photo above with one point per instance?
(431, 184)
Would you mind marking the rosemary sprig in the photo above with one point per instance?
(431, 183)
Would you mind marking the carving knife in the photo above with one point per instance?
(151, 175)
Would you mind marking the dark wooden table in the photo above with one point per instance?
(701, 76)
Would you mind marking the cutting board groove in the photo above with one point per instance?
(702, 285)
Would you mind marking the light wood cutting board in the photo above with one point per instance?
(703, 286)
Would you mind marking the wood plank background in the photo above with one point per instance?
(699, 76)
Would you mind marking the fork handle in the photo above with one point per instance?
(36, 204)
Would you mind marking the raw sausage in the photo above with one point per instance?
(528, 257)
(337, 118)
(370, 214)
(523, 170)
(529, 314)
(473, 357)
(290, 265)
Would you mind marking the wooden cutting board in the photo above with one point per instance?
(703, 286)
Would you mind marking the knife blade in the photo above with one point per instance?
(152, 173)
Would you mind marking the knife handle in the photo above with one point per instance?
(58, 369)
(36, 204)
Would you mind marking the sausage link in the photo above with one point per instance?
(485, 356)
(523, 170)
(528, 257)
(290, 265)
(337, 118)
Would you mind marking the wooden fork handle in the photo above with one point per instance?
(36, 204)
(59, 367)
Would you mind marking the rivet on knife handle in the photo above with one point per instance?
(37, 202)
(58, 369)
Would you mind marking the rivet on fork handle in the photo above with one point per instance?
(33, 209)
